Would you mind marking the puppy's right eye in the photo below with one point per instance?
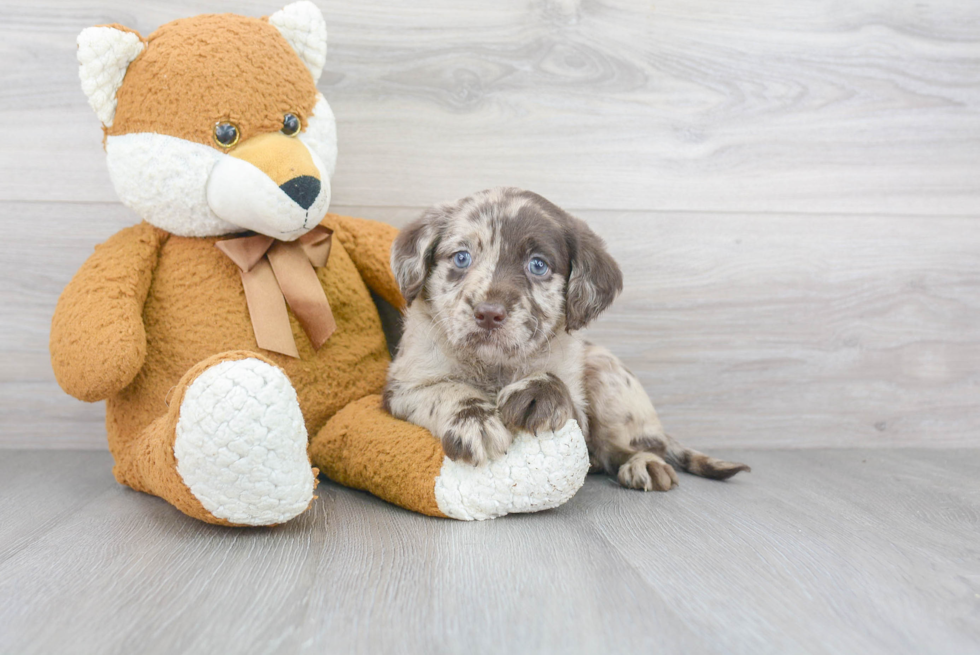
(538, 267)
(462, 259)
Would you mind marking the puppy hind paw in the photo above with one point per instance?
(648, 473)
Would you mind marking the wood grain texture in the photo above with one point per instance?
(702, 105)
(824, 551)
(746, 330)
(791, 189)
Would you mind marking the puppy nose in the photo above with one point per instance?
(489, 316)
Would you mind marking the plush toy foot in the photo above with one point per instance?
(231, 450)
(537, 472)
(366, 448)
(241, 444)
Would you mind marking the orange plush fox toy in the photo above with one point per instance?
(232, 332)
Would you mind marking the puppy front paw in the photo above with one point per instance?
(475, 434)
(538, 403)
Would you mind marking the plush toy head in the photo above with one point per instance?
(254, 152)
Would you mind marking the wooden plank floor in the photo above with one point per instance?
(816, 551)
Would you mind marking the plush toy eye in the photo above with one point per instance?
(537, 266)
(462, 259)
(225, 134)
(290, 125)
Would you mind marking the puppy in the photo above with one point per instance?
(497, 285)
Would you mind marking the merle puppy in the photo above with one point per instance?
(498, 284)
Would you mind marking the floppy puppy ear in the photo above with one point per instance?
(413, 251)
(595, 279)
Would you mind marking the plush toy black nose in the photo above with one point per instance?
(303, 190)
(489, 316)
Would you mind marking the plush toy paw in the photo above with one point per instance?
(241, 444)
(537, 472)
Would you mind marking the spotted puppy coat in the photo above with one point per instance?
(498, 284)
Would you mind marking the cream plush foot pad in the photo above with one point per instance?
(241, 444)
(538, 472)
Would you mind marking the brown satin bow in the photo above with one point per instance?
(276, 272)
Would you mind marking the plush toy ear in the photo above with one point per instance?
(302, 24)
(104, 54)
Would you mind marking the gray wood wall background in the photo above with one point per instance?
(792, 189)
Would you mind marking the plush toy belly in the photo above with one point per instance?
(196, 308)
(366, 448)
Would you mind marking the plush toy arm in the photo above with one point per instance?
(369, 245)
(97, 338)
(364, 447)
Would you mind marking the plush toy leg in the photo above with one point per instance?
(364, 447)
(232, 448)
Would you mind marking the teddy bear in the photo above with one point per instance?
(232, 332)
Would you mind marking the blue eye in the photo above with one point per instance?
(462, 259)
(537, 266)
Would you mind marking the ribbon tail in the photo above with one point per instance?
(303, 291)
(267, 308)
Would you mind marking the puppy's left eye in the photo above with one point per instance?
(537, 266)
(462, 259)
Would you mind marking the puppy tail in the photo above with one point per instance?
(700, 464)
